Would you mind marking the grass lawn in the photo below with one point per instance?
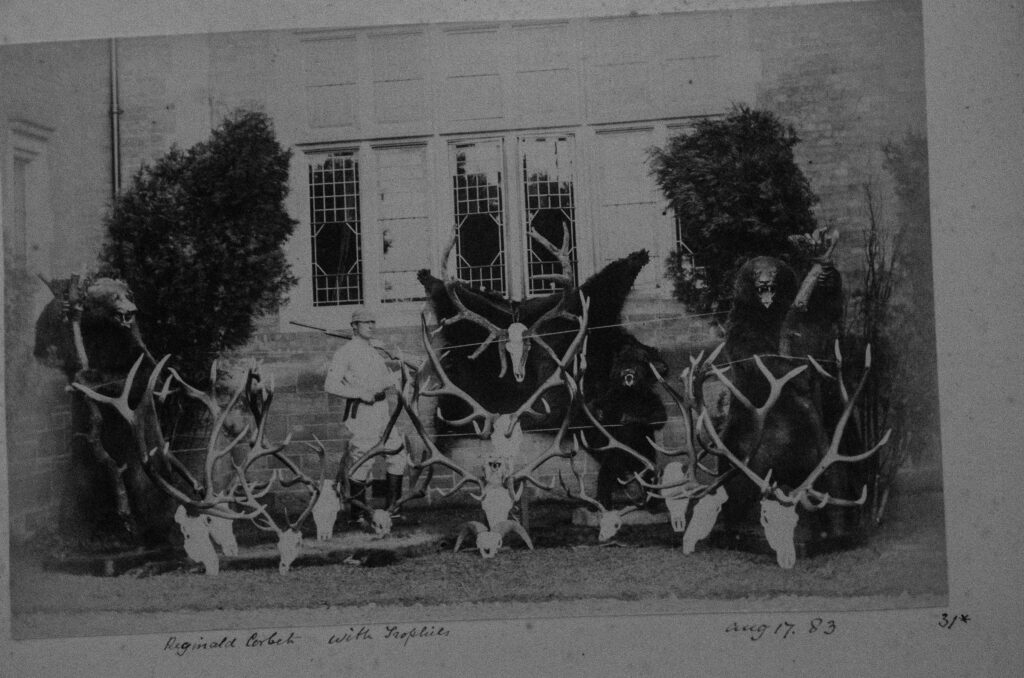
(904, 559)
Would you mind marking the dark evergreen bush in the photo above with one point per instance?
(737, 192)
(198, 237)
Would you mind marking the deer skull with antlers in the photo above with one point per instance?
(500, 487)
(517, 338)
(200, 500)
(680, 486)
(778, 506)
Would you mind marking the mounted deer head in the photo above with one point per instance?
(517, 338)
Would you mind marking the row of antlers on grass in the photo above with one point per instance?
(219, 494)
(778, 506)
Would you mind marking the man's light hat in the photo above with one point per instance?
(363, 316)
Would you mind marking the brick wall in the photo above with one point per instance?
(55, 104)
(849, 77)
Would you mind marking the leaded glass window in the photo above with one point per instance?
(335, 225)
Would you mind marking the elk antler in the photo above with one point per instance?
(451, 286)
(477, 413)
(565, 278)
(610, 522)
(613, 443)
(553, 451)
(689, 402)
(775, 390)
(804, 492)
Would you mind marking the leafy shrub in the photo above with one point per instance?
(737, 192)
(198, 237)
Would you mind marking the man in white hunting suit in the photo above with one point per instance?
(358, 373)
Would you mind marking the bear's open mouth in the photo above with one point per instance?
(766, 293)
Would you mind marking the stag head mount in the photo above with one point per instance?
(516, 339)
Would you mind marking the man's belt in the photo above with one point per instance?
(352, 406)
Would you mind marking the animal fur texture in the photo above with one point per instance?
(763, 322)
(112, 343)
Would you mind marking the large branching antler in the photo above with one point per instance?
(210, 501)
(690, 403)
(451, 286)
(481, 418)
(93, 399)
(553, 451)
(805, 492)
(609, 521)
(612, 443)
(516, 338)
(565, 278)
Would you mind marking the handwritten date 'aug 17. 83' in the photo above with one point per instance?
(784, 629)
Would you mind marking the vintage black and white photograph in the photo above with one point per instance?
(415, 323)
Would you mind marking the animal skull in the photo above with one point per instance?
(676, 499)
(496, 502)
(506, 447)
(325, 511)
(611, 523)
(705, 513)
(222, 531)
(488, 543)
(518, 348)
(288, 543)
(779, 523)
(380, 522)
(197, 540)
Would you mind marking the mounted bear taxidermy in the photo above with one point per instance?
(89, 332)
(783, 320)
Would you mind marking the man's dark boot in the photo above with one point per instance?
(394, 491)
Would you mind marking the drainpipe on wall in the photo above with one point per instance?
(115, 123)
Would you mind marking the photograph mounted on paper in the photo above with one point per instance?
(459, 319)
